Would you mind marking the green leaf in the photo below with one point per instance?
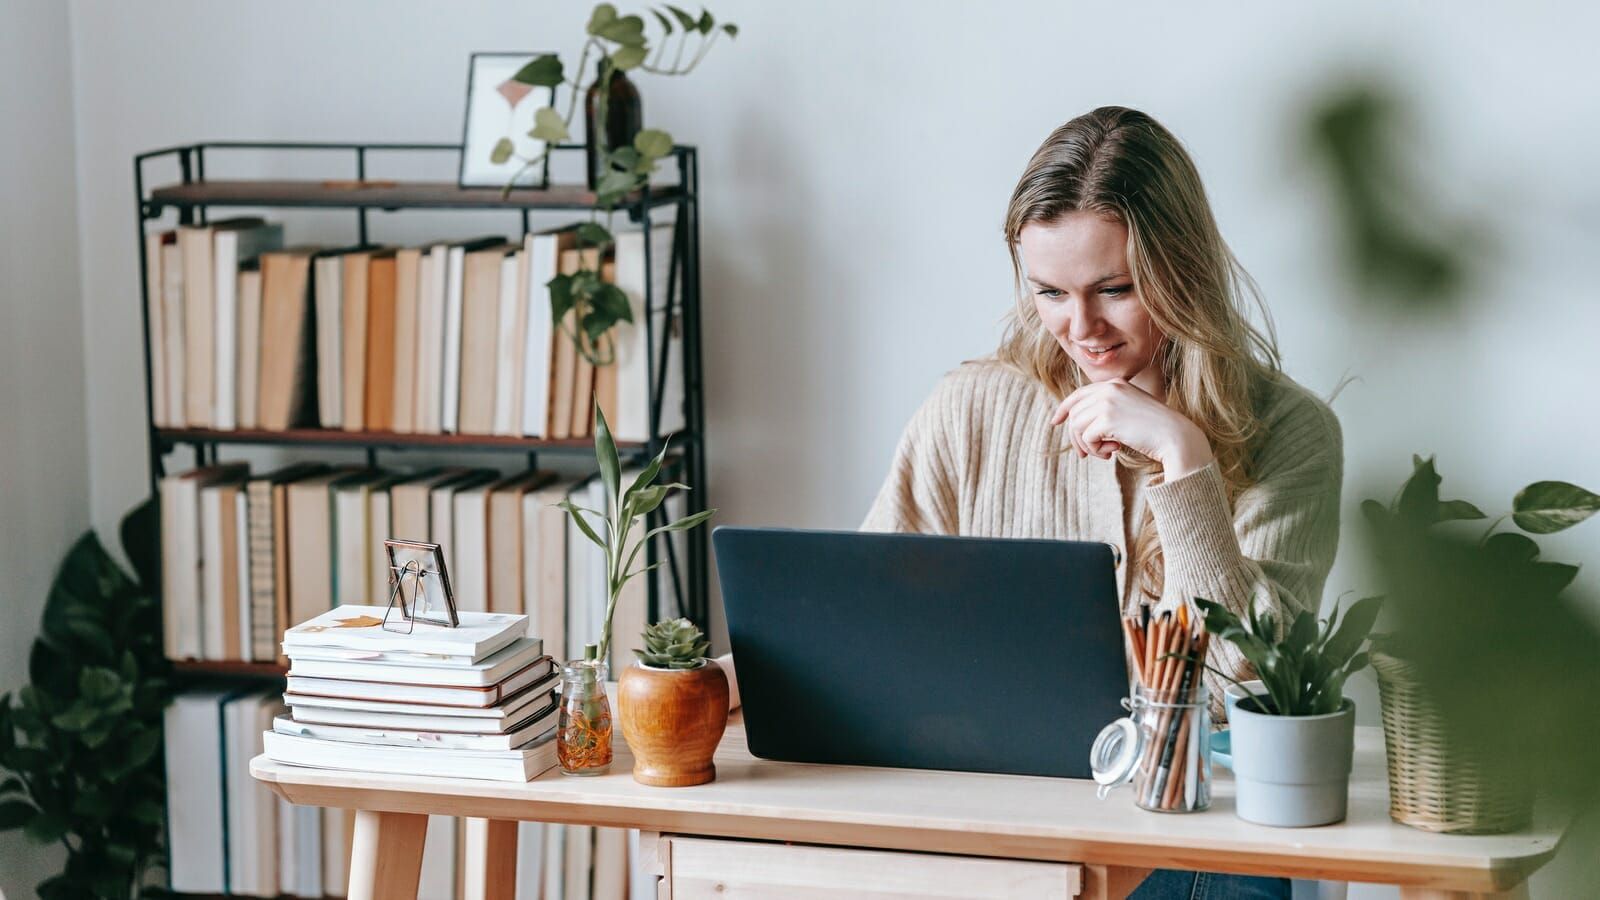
(653, 142)
(1358, 622)
(627, 31)
(731, 30)
(577, 516)
(629, 57)
(604, 14)
(617, 184)
(625, 158)
(77, 718)
(666, 24)
(706, 22)
(47, 828)
(605, 453)
(1510, 547)
(593, 234)
(543, 71)
(1458, 510)
(97, 683)
(1419, 498)
(683, 524)
(140, 533)
(11, 785)
(149, 812)
(613, 302)
(502, 151)
(561, 299)
(1549, 578)
(15, 814)
(548, 126)
(1546, 507)
(687, 21)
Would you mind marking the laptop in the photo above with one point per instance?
(925, 652)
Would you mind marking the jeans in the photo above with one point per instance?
(1175, 884)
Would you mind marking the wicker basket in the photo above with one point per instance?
(1432, 785)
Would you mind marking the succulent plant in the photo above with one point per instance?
(673, 644)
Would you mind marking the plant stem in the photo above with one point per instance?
(701, 53)
(1492, 526)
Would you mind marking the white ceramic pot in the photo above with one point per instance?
(1292, 771)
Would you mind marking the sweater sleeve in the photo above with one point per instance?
(919, 494)
(1274, 545)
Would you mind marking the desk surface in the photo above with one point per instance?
(953, 812)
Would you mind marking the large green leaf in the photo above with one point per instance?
(140, 533)
(687, 21)
(683, 524)
(542, 71)
(1546, 507)
(561, 299)
(604, 14)
(605, 454)
(1358, 622)
(630, 57)
(653, 142)
(577, 516)
(625, 30)
(548, 126)
(666, 24)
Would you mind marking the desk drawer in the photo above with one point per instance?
(693, 867)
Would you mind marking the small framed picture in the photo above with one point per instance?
(419, 587)
(499, 114)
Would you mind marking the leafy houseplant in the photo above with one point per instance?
(623, 46)
(1455, 765)
(81, 743)
(674, 706)
(1293, 742)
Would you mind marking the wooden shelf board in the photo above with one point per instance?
(334, 438)
(427, 194)
(228, 667)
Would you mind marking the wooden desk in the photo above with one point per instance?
(974, 815)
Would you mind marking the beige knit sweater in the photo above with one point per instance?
(980, 458)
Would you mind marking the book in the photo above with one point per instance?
(219, 566)
(506, 544)
(480, 337)
(233, 246)
(379, 338)
(196, 244)
(544, 561)
(409, 507)
(155, 323)
(534, 726)
(182, 592)
(196, 771)
(537, 672)
(380, 525)
(543, 252)
(431, 273)
(328, 297)
(243, 602)
(355, 541)
(407, 285)
(586, 571)
(627, 408)
(267, 505)
(173, 337)
(355, 270)
(581, 422)
(476, 638)
(519, 764)
(469, 560)
(252, 810)
(288, 359)
(498, 719)
(509, 371)
(515, 658)
(442, 518)
(454, 298)
(248, 385)
(310, 518)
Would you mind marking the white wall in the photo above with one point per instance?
(44, 494)
(856, 161)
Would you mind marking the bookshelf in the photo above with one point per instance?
(192, 195)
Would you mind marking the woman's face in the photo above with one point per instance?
(1077, 271)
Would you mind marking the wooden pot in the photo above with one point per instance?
(673, 720)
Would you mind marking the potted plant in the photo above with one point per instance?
(1293, 738)
(1447, 594)
(673, 704)
(583, 731)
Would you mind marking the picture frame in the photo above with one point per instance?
(496, 108)
(431, 600)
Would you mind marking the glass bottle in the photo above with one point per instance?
(1162, 748)
(624, 117)
(583, 731)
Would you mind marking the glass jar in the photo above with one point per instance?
(583, 731)
(1162, 748)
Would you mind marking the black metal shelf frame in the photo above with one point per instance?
(688, 578)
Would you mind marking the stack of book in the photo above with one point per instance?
(445, 337)
(473, 701)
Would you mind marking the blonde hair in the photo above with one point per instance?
(1122, 164)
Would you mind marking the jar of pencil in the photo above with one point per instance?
(1163, 747)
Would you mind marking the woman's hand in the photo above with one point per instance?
(1106, 415)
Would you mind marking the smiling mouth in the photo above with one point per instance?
(1100, 354)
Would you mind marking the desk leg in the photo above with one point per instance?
(1110, 882)
(1520, 892)
(491, 859)
(386, 855)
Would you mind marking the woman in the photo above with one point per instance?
(1131, 402)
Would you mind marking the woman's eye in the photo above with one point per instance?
(1051, 293)
(1114, 291)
